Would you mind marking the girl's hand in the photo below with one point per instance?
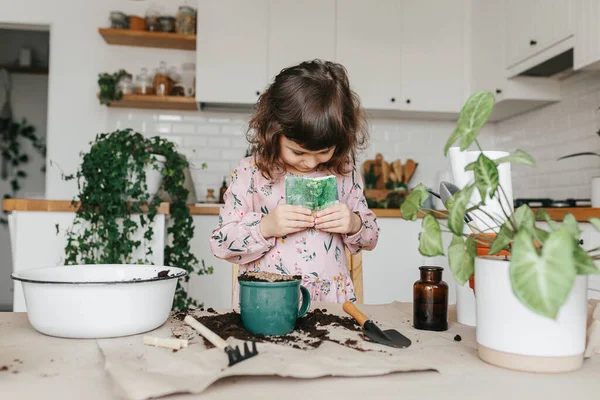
(338, 219)
(286, 219)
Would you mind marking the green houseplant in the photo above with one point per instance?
(531, 303)
(104, 226)
(543, 263)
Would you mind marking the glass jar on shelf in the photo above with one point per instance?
(162, 82)
(186, 20)
(153, 18)
(125, 84)
(143, 83)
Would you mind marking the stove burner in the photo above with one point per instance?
(550, 203)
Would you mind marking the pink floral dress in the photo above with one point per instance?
(319, 257)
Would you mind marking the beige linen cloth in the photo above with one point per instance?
(140, 372)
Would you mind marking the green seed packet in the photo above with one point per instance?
(313, 193)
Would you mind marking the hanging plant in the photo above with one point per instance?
(108, 195)
(109, 86)
(13, 157)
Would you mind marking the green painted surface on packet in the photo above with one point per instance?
(312, 193)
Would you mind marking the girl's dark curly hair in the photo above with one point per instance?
(312, 105)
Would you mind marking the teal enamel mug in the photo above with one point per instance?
(272, 308)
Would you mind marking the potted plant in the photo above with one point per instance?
(115, 205)
(532, 303)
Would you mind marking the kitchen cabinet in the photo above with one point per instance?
(38, 239)
(231, 46)
(369, 38)
(537, 31)
(391, 269)
(515, 95)
(434, 55)
(587, 38)
(299, 31)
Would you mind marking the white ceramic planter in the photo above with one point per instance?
(465, 305)
(153, 176)
(510, 335)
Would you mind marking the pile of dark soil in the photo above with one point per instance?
(263, 276)
(313, 329)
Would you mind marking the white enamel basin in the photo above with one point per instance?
(98, 301)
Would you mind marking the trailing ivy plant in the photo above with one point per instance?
(12, 155)
(108, 84)
(543, 263)
(110, 203)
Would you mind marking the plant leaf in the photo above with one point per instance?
(411, 206)
(571, 225)
(503, 239)
(595, 223)
(542, 215)
(461, 258)
(543, 283)
(456, 215)
(541, 235)
(518, 157)
(525, 218)
(470, 166)
(430, 240)
(471, 119)
(486, 176)
(584, 264)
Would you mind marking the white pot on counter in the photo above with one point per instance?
(596, 192)
(466, 311)
(510, 335)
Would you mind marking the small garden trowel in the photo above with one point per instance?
(389, 337)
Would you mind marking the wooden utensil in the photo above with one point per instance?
(409, 170)
(397, 167)
(389, 337)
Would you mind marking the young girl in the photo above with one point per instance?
(307, 123)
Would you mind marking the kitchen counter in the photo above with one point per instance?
(74, 369)
(582, 214)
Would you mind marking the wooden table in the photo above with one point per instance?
(65, 369)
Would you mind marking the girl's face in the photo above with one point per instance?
(298, 159)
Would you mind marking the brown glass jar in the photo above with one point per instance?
(430, 300)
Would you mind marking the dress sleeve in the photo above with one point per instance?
(237, 237)
(368, 235)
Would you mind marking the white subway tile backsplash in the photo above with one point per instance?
(161, 127)
(240, 143)
(184, 128)
(233, 130)
(164, 117)
(206, 154)
(207, 129)
(232, 155)
(195, 141)
(219, 142)
(554, 131)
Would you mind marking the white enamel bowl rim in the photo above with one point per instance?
(23, 275)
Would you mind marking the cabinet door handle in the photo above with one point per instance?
(532, 42)
(581, 241)
(257, 93)
(498, 91)
(407, 101)
(393, 99)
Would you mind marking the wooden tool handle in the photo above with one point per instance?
(207, 333)
(354, 312)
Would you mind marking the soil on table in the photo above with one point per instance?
(313, 329)
(263, 276)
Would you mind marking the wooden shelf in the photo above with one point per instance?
(163, 40)
(17, 69)
(156, 102)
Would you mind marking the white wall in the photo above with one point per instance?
(567, 127)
